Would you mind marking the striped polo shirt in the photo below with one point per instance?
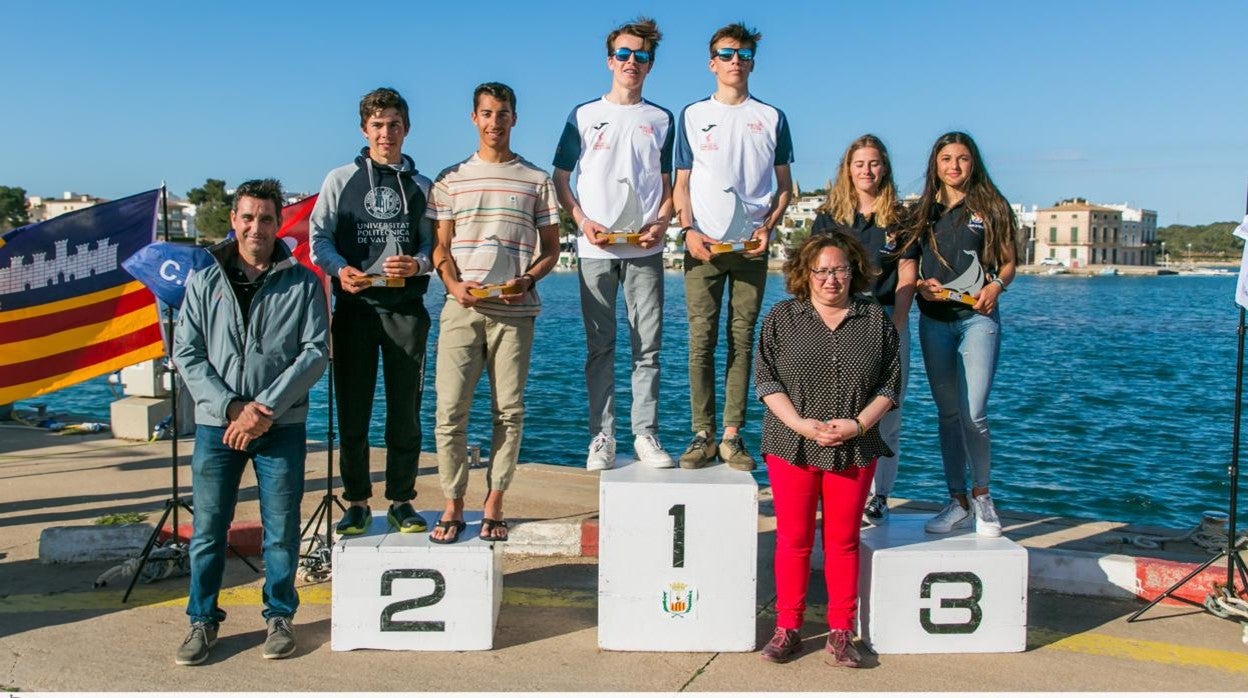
(497, 209)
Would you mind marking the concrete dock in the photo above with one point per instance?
(57, 633)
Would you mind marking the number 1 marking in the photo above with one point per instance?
(677, 512)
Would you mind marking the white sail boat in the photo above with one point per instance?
(505, 268)
(625, 229)
(740, 231)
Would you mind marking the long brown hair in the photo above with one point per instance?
(842, 202)
(982, 198)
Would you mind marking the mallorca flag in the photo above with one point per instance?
(68, 310)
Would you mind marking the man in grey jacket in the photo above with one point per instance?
(250, 343)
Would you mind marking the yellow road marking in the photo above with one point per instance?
(1090, 643)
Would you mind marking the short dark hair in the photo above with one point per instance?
(497, 90)
(798, 267)
(381, 99)
(644, 28)
(266, 189)
(748, 38)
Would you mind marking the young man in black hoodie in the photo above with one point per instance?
(370, 235)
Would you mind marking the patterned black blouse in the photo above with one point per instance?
(827, 374)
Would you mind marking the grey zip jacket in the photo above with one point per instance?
(275, 359)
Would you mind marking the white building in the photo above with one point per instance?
(1139, 230)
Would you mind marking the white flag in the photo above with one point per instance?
(1241, 286)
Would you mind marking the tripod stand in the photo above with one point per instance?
(176, 501)
(316, 559)
(1234, 549)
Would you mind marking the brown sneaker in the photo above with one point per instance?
(700, 453)
(841, 650)
(783, 646)
(732, 451)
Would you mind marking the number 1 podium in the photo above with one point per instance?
(677, 559)
(927, 593)
(399, 591)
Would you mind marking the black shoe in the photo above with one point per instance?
(355, 521)
(403, 517)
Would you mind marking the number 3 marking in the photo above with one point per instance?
(387, 613)
(971, 602)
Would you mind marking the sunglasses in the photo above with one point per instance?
(621, 54)
(725, 54)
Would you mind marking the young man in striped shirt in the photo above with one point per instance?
(497, 226)
(620, 147)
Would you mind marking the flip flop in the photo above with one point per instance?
(457, 526)
(494, 525)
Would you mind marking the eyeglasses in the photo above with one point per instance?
(835, 272)
(621, 54)
(726, 54)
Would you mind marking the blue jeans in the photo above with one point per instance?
(961, 359)
(216, 470)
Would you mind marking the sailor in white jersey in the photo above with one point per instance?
(620, 149)
(732, 185)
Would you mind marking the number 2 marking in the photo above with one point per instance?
(388, 624)
(677, 512)
(969, 602)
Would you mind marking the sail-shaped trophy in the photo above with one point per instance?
(378, 254)
(506, 267)
(968, 284)
(624, 231)
(739, 236)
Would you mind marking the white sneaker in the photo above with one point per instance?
(951, 517)
(601, 453)
(987, 523)
(650, 452)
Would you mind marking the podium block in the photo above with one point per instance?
(924, 593)
(400, 591)
(677, 559)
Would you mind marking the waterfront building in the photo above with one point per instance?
(44, 208)
(1077, 233)
(1139, 234)
(1025, 237)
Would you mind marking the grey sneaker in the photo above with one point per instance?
(700, 453)
(194, 649)
(601, 453)
(876, 511)
(951, 517)
(732, 451)
(281, 640)
(987, 523)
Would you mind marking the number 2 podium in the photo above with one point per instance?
(399, 591)
(677, 554)
(923, 593)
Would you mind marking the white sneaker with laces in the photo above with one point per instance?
(951, 517)
(601, 453)
(987, 523)
(650, 452)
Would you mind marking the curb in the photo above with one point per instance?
(1074, 572)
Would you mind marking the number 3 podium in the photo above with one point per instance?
(677, 565)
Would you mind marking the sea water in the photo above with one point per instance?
(1113, 397)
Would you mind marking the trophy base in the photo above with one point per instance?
(622, 238)
(494, 290)
(955, 297)
(743, 246)
(382, 281)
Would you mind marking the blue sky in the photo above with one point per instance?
(1142, 102)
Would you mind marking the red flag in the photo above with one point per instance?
(295, 226)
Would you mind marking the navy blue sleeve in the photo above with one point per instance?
(784, 141)
(823, 224)
(665, 156)
(568, 152)
(684, 153)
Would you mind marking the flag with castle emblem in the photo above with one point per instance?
(68, 310)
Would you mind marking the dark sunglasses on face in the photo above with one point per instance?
(621, 54)
(725, 54)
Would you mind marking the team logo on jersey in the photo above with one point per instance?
(600, 142)
(382, 203)
(598, 126)
(976, 223)
(756, 127)
(646, 129)
(709, 127)
(708, 143)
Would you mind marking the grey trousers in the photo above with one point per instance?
(642, 279)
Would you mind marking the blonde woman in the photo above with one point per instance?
(864, 199)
